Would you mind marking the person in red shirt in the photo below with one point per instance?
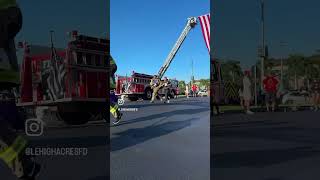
(194, 90)
(270, 84)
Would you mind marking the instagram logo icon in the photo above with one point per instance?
(34, 127)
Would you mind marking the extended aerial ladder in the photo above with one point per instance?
(192, 22)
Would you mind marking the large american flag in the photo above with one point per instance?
(54, 76)
(205, 27)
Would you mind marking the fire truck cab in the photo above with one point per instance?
(80, 70)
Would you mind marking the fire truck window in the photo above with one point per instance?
(74, 57)
(105, 62)
(98, 60)
(79, 58)
(89, 59)
(84, 59)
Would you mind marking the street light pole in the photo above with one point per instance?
(255, 86)
(192, 75)
(282, 44)
(263, 43)
(281, 70)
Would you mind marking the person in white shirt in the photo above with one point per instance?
(241, 97)
(187, 91)
(247, 95)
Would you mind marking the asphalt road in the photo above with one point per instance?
(267, 146)
(162, 141)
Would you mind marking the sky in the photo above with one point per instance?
(236, 32)
(62, 16)
(143, 32)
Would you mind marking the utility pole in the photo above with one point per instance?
(51, 38)
(282, 44)
(263, 43)
(255, 86)
(192, 75)
(281, 71)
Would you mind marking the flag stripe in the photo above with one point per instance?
(207, 32)
(205, 27)
(57, 75)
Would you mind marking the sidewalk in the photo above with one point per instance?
(280, 108)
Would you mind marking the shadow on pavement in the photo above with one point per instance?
(99, 178)
(136, 136)
(247, 124)
(286, 134)
(173, 102)
(261, 158)
(164, 114)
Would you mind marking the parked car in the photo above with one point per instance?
(202, 93)
(296, 97)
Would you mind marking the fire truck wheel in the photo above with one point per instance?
(74, 118)
(147, 94)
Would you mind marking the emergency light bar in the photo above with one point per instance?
(74, 33)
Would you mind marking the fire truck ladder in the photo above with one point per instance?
(192, 22)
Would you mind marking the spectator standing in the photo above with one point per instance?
(247, 95)
(194, 90)
(270, 84)
(241, 97)
(187, 91)
(315, 93)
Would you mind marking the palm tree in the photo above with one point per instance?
(310, 71)
(295, 67)
(182, 86)
(231, 71)
(204, 82)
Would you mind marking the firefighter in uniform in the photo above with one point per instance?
(155, 85)
(114, 109)
(12, 146)
(167, 85)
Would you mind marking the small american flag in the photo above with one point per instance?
(205, 27)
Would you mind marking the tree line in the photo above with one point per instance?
(295, 67)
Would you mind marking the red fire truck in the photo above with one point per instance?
(138, 86)
(71, 82)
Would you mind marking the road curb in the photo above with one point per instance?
(278, 109)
